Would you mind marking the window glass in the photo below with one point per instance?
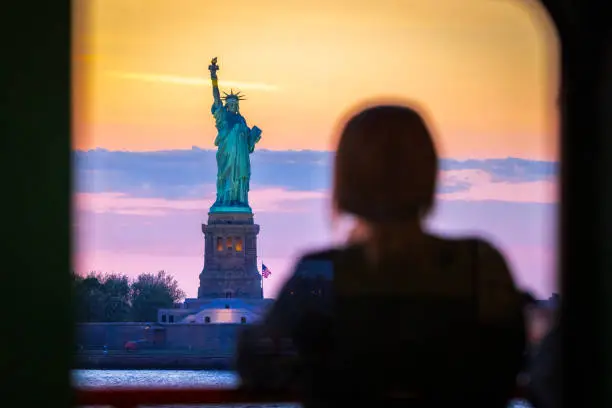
(144, 135)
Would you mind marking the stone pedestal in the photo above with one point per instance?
(230, 257)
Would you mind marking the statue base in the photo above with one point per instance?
(230, 209)
(230, 255)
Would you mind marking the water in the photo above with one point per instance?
(154, 378)
(178, 378)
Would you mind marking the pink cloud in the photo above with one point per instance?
(482, 187)
(281, 200)
(262, 200)
(122, 203)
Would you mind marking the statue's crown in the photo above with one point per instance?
(236, 96)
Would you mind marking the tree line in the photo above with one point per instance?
(111, 297)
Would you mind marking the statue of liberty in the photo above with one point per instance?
(235, 141)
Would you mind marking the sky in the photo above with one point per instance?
(484, 70)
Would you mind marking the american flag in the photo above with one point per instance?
(265, 272)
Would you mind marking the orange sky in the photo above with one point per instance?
(486, 70)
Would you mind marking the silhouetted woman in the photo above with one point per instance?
(398, 316)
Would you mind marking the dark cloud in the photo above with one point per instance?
(454, 187)
(175, 174)
(507, 170)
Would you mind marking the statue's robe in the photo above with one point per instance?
(235, 141)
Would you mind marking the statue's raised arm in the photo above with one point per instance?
(213, 68)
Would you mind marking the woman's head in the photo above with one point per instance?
(386, 166)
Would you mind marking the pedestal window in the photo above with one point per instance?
(219, 244)
(238, 245)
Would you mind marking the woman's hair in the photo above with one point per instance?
(386, 165)
(386, 168)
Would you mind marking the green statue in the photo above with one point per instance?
(235, 142)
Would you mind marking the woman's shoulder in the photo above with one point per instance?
(479, 246)
(320, 262)
(324, 254)
(333, 253)
(477, 255)
(471, 245)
